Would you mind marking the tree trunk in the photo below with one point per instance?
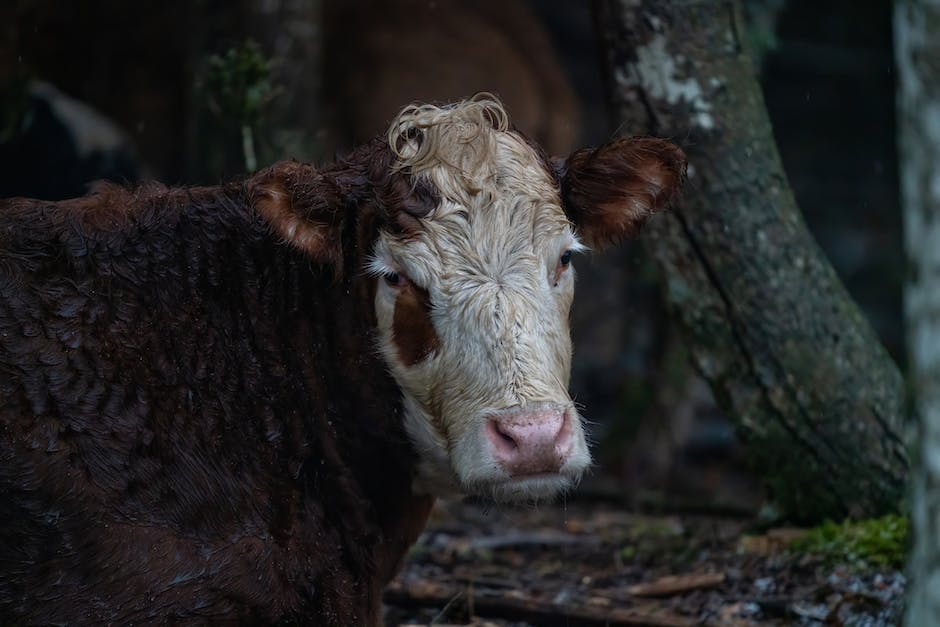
(917, 48)
(813, 393)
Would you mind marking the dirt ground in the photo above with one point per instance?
(578, 563)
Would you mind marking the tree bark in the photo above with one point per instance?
(813, 393)
(917, 53)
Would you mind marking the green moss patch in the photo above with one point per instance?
(874, 543)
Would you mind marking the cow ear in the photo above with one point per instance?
(303, 206)
(609, 192)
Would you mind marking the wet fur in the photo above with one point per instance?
(194, 424)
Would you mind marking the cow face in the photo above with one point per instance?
(472, 304)
(473, 291)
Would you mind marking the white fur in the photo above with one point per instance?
(487, 255)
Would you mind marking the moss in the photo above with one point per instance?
(657, 540)
(419, 552)
(873, 543)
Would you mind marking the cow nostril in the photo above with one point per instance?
(506, 437)
(500, 438)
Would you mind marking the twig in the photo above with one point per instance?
(446, 607)
(537, 612)
(248, 148)
(676, 584)
(519, 539)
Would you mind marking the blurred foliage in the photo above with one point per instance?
(239, 88)
(873, 543)
(238, 84)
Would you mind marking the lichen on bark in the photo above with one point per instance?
(767, 322)
(917, 54)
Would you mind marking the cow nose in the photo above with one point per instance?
(527, 442)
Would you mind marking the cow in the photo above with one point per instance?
(239, 403)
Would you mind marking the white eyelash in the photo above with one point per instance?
(380, 262)
(379, 267)
(575, 246)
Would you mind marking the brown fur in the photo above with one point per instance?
(220, 441)
(411, 201)
(414, 333)
(610, 191)
(275, 200)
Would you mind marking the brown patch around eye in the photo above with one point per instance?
(412, 329)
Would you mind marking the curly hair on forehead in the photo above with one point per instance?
(460, 137)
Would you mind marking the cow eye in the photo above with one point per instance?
(563, 262)
(395, 279)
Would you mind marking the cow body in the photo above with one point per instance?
(210, 410)
(176, 389)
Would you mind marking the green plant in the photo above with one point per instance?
(876, 542)
(239, 87)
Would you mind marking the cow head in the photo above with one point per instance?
(474, 273)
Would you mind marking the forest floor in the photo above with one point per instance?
(576, 563)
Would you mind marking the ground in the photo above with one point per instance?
(580, 563)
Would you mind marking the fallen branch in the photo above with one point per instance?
(676, 584)
(521, 539)
(423, 593)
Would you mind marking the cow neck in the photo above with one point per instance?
(358, 405)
